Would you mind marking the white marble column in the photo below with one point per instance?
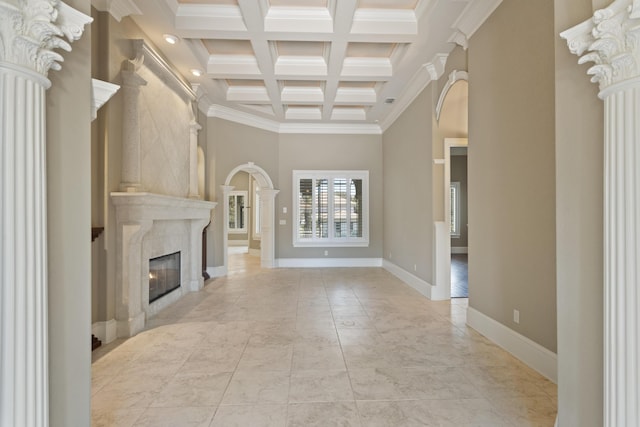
(29, 32)
(611, 40)
(194, 127)
(131, 83)
(267, 221)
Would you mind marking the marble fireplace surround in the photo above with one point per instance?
(136, 214)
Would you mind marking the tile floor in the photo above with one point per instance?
(313, 347)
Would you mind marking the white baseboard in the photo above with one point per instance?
(422, 286)
(531, 353)
(214, 272)
(105, 331)
(459, 250)
(237, 242)
(328, 262)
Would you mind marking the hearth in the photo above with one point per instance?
(164, 275)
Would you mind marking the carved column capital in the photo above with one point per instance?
(32, 30)
(611, 41)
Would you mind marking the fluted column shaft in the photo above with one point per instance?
(622, 256)
(23, 259)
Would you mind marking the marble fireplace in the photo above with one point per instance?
(158, 209)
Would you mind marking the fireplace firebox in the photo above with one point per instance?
(164, 275)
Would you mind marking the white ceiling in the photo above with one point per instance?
(307, 63)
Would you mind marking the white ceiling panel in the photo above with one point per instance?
(322, 62)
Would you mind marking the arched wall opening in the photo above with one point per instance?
(266, 195)
(452, 128)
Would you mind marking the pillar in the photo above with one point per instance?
(267, 221)
(610, 39)
(131, 83)
(194, 127)
(29, 32)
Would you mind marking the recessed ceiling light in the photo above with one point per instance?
(170, 38)
(196, 72)
(389, 100)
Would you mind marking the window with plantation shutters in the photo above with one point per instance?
(331, 208)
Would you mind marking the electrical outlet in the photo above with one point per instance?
(389, 254)
(326, 253)
(415, 267)
(516, 316)
(284, 210)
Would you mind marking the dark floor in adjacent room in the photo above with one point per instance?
(459, 276)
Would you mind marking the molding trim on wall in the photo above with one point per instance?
(459, 250)
(531, 353)
(328, 262)
(422, 286)
(214, 272)
(454, 77)
(101, 92)
(106, 331)
(425, 75)
(471, 19)
(117, 8)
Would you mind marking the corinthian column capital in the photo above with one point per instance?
(31, 31)
(611, 41)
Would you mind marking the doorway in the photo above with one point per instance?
(249, 205)
(458, 221)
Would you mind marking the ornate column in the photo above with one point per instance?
(611, 40)
(267, 221)
(131, 82)
(194, 127)
(30, 30)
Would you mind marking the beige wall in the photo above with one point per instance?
(329, 152)
(408, 190)
(69, 219)
(579, 184)
(230, 145)
(512, 169)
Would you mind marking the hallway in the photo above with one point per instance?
(313, 347)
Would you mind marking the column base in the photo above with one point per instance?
(132, 326)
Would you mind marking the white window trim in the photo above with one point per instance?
(331, 241)
(456, 232)
(242, 230)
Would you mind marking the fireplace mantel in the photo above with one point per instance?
(136, 213)
(133, 206)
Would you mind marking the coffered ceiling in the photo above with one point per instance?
(289, 64)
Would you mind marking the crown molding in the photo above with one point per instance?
(101, 93)
(471, 18)
(160, 67)
(226, 113)
(426, 74)
(117, 8)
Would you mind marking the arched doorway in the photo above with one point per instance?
(452, 117)
(266, 196)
